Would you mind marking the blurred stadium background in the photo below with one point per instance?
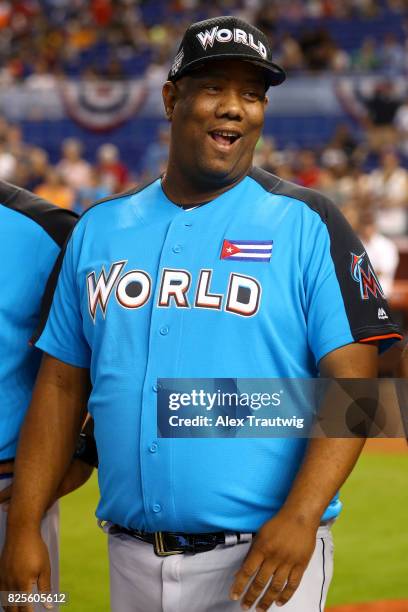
(81, 118)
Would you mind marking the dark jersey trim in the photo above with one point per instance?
(48, 294)
(56, 222)
(266, 179)
(362, 317)
(53, 278)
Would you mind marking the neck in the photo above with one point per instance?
(183, 189)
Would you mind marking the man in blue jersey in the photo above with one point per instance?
(32, 232)
(215, 270)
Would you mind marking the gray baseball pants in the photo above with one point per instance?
(142, 582)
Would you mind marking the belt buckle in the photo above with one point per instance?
(159, 548)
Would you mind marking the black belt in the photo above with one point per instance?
(175, 543)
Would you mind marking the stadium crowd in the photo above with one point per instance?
(42, 40)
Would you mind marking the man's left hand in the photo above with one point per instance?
(276, 561)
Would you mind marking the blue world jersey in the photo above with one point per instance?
(31, 234)
(254, 284)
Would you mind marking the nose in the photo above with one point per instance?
(230, 105)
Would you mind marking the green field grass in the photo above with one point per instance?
(84, 555)
(371, 539)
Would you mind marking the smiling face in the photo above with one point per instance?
(216, 114)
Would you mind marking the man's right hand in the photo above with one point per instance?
(24, 564)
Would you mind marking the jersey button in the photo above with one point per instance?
(157, 508)
(176, 248)
(164, 330)
(155, 387)
(153, 447)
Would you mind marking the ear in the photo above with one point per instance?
(169, 93)
(266, 101)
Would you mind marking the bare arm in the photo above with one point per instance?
(284, 545)
(48, 438)
(329, 461)
(79, 471)
(45, 450)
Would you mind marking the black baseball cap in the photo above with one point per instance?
(225, 38)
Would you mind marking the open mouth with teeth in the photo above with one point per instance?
(225, 138)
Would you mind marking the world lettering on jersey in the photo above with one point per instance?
(133, 290)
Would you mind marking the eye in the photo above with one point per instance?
(253, 95)
(212, 88)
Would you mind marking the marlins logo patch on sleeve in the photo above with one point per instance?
(367, 278)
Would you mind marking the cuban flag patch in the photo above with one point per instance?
(247, 250)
